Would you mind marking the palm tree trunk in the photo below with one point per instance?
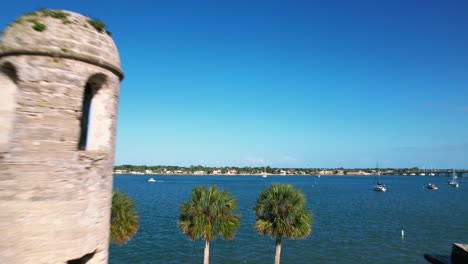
(206, 260)
(278, 250)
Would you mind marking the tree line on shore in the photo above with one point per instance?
(280, 212)
(162, 169)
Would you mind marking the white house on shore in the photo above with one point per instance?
(231, 172)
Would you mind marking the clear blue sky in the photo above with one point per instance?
(287, 83)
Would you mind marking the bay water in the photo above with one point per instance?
(352, 223)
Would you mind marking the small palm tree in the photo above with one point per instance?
(209, 212)
(280, 212)
(124, 219)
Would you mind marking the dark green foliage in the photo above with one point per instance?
(30, 14)
(209, 212)
(57, 14)
(281, 211)
(34, 17)
(39, 26)
(97, 24)
(124, 219)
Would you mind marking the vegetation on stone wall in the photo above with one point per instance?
(98, 25)
(35, 18)
(58, 14)
(38, 25)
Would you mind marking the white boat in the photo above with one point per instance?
(264, 173)
(454, 182)
(412, 174)
(431, 174)
(422, 174)
(151, 180)
(431, 186)
(379, 187)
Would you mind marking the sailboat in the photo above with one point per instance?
(379, 187)
(454, 182)
(263, 173)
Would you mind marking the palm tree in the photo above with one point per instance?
(209, 212)
(124, 218)
(280, 212)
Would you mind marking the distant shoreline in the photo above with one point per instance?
(284, 175)
(262, 171)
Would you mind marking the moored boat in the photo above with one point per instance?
(264, 173)
(379, 187)
(453, 182)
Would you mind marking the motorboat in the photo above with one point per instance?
(431, 186)
(151, 180)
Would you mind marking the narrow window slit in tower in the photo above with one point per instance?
(8, 89)
(88, 96)
(92, 88)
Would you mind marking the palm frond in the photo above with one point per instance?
(207, 213)
(124, 218)
(281, 211)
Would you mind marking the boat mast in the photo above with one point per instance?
(378, 173)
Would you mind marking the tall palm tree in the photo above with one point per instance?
(124, 218)
(207, 213)
(280, 212)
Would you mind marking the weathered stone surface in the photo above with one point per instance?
(56, 198)
(77, 40)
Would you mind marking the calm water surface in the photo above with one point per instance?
(352, 223)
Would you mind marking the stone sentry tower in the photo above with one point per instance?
(59, 85)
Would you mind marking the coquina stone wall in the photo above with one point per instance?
(55, 189)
